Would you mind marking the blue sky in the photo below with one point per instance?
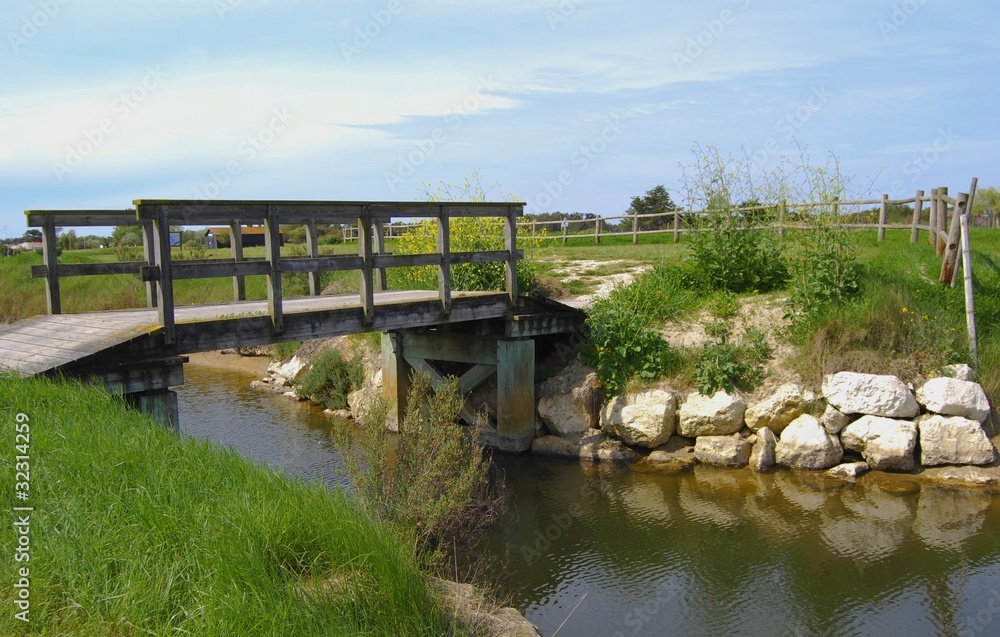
(102, 102)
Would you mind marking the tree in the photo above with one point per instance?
(987, 203)
(33, 235)
(655, 201)
(126, 236)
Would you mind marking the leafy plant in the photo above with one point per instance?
(435, 479)
(728, 365)
(331, 379)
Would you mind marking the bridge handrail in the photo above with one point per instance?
(155, 216)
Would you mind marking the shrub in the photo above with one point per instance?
(728, 365)
(826, 270)
(729, 254)
(435, 479)
(331, 379)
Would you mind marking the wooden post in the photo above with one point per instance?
(942, 220)
(236, 250)
(165, 298)
(312, 247)
(444, 251)
(635, 227)
(272, 248)
(597, 231)
(381, 281)
(950, 260)
(883, 215)
(365, 252)
(510, 244)
(918, 208)
(970, 299)
(677, 226)
(782, 211)
(565, 230)
(50, 258)
(516, 393)
(932, 221)
(532, 229)
(147, 255)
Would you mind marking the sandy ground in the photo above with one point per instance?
(254, 366)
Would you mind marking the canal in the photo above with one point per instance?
(597, 550)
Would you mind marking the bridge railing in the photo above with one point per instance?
(159, 271)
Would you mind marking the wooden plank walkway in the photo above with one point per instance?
(37, 345)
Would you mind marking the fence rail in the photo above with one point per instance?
(158, 271)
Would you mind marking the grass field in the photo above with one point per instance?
(136, 532)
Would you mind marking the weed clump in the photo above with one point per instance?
(331, 379)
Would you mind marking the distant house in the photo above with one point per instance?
(252, 236)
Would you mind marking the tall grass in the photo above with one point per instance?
(136, 532)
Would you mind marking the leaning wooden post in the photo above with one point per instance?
(918, 208)
(950, 260)
(312, 247)
(510, 245)
(942, 220)
(970, 299)
(236, 250)
(367, 291)
(444, 253)
(50, 258)
(272, 248)
(883, 215)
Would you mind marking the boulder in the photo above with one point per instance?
(762, 456)
(594, 448)
(833, 420)
(954, 397)
(870, 394)
(955, 440)
(722, 451)
(718, 415)
(776, 410)
(805, 444)
(849, 470)
(284, 373)
(961, 372)
(569, 403)
(645, 419)
(886, 444)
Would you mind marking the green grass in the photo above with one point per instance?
(135, 532)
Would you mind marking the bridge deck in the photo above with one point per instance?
(36, 345)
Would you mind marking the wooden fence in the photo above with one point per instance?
(159, 271)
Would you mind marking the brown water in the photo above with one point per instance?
(604, 551)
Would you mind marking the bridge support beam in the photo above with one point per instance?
(510, 361)
(161, 405)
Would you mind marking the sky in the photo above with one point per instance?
(568, 105)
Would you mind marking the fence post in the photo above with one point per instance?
(950, 261)
(381, 280)
(782, 211)
(532, 229)
(165, 298)
(51, 260)
(367, 291)
(565, 230)
(918, 208)
(942, 219)
(932, 220)
(444, 251)
(597, 231)
(510, 244)
(236, 249)
(970, 299)
(635, 227)
(147, 254)
(883, 215)
(677, 226)
(312, 246)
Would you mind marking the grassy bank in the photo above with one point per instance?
(137, 532)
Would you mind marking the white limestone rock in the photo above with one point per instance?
(805, 444)
(961, 372)
(718, 415)
(954, 441)
(645, 419)
(722, 451)
(833, 420)
(777, 410)
(849, 470)
(762, 457)
(954, 397)
(870, 394)
(569, 403)
(886, 444)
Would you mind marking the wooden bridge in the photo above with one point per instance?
(140, 352)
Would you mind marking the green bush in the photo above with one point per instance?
(433, 478)
(730, 254)
(331, 379)
(826, 270)
(728, 365)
